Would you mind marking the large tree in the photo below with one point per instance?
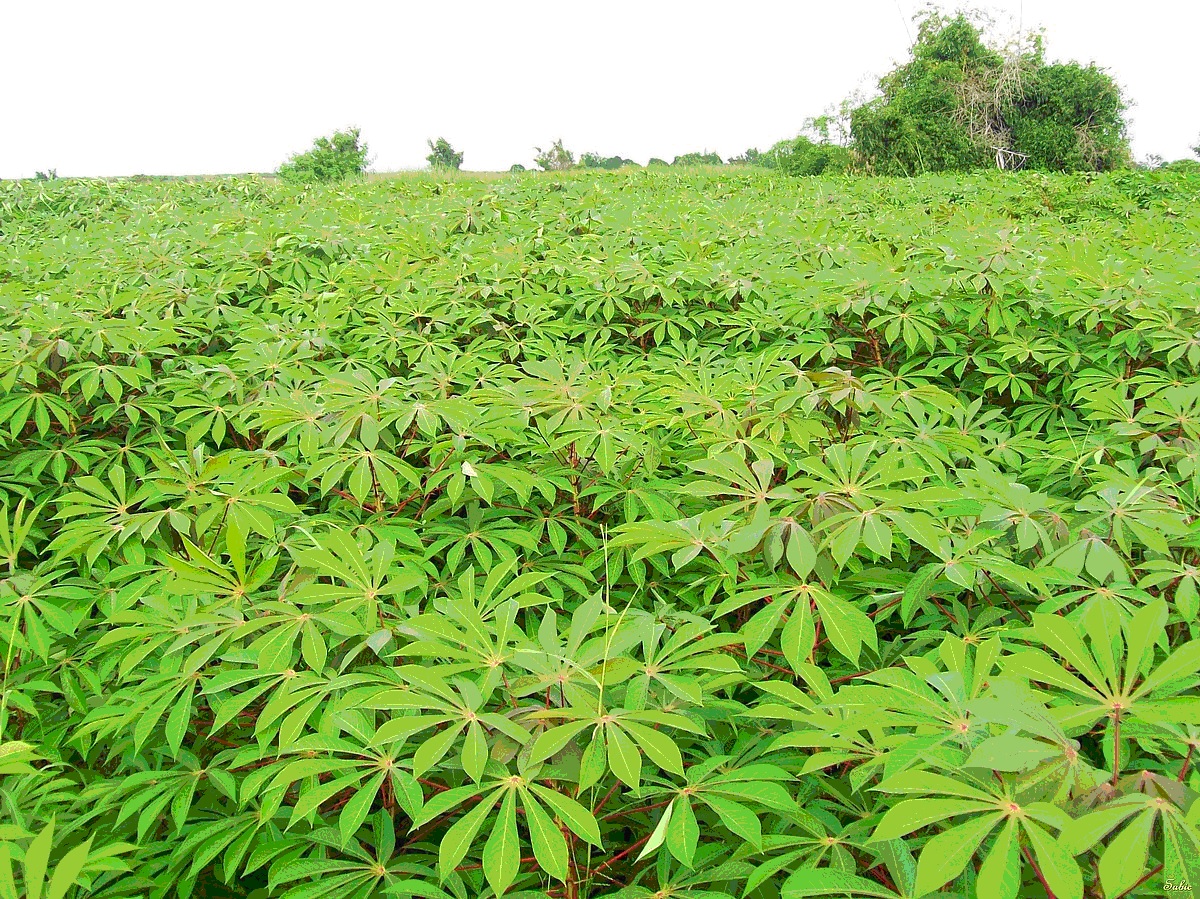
(959, 99)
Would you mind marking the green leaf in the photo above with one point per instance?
(830, 882)
(913, 814)
(502, 852)
(355, 811)
(735, 816)
(549, 845)
(659, 835)
(945, 855)
(554, 740)
(1054, 859)
(37, 858)
(574, 815)
(461, 835)
(1124, 859)
(623, 758)
(683, 832)
(66, 872)
(659, 748)
(474, 752)
(1000, 873)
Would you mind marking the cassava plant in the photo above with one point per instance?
(670, 532)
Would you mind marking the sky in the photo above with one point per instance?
(185, 87)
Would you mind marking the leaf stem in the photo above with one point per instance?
(1038, 871)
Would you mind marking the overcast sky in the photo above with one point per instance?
(178, 87)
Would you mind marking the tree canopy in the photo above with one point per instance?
(959, 99)
(443, 156)
(333, 158)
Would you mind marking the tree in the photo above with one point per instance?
(516, 167)
(958, 100)
(556, 159)
(802, 156)
(752, 156)
(334, 158)
(1070, 118)
(596, 161)
(912, 126)
(705, 158)
(443, 156)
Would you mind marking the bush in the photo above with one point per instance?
(334, 158)
(556, 159)
(654, 160)
(596, 161)
(443, 156)
(802, 156)
(1070, 119)
(957, 100)
(516, 167)
(704, 158)
(753, 156)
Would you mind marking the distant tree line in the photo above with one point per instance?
(960, 102)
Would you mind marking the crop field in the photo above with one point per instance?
(702, 534)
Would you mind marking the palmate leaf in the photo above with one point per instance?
(501, 853)
(667, 531)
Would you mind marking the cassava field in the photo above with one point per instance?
(646, 534)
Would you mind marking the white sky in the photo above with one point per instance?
(179, 87)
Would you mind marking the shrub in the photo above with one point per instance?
(958, 99)
(596, 161)
(1070, 118)
(704, 158)
(555, 159)
(443, 156)
(334, 158)
(752, 156)
(801, 156)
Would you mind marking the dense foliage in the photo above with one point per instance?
(596, 161)
(334, 158)
(958, 99)
(555, 159)
(694, 159)
(655, 533)
(443, 156)
(803, 156)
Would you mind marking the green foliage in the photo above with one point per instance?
(752, 156)
(611, 163)
(704, 158)
(443, 156)
(340, 156)
(803, 156)
(48, 175)
(1070, 118)
(957, 100)
(667, 532)
(555, 159)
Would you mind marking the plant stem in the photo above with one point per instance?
(1038, 872)
(1141, 880)
(1116, 746)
